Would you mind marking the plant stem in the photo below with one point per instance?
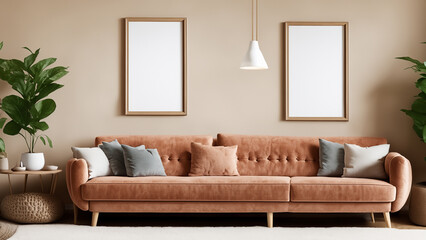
(35, 143)
(32, 142)
(26, 142)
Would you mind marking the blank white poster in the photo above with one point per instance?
(316, 71)
(155, 66)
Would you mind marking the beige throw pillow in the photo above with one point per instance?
(97, 161)
(213, 161)
(365, 162)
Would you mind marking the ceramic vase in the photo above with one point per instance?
(33, 161)
(4, 164)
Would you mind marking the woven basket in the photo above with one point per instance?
(32, 208)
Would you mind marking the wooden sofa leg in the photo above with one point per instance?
(270, 218)
(387, 219)
(95, 216)
(75, 213)
(372, 218)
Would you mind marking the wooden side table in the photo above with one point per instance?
(53, 180)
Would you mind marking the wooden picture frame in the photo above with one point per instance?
(316, 71)
(155, 66)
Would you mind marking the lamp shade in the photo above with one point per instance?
(254, 59)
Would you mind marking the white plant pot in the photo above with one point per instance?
(4, 164)
(33, 161)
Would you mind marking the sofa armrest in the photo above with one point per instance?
(76, 175)
(399, 170)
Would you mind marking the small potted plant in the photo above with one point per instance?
(34, 82)
(418, 114)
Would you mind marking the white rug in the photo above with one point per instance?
(68, 231)
(7, 229)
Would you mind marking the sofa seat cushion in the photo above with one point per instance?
(336, 189)
(176, 188)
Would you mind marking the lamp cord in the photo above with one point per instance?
(252, 20)
(254, 4)
(257, 19)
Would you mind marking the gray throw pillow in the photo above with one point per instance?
(114, 153)
(331, 159)
(142, 162)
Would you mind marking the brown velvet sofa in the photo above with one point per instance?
(278, 174)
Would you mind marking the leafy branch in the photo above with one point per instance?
(33, 82)
(418, 108)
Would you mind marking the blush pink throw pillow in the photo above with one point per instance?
(213, 161)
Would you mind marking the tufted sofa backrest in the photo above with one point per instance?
(174, 150)
(283, 156)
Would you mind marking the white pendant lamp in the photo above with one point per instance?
(254, 59)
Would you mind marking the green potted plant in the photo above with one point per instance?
(33, 82)
(417, 211)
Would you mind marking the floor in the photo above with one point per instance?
(400, 220)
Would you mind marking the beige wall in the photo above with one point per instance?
(87, 36)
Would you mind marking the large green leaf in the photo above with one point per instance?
(10, 70)
(419, 122)
(56, 73)
(418, 129)
(49, 141)
(30, 59)
(11, 76)
(2, 122)
(42, 140)
(415, 115)
(415, 61)
(424, 134)
(50, 75)
(30, 130)
(13, 65)
(421, 84)
(419, 105)
(30, 88)
(16, 65)
(16, 108)
(46, 90)
(2, 146)
(12, 128)
(43, 109)
(19, 86)
(41, 65)
(420, 79)
(40, 126)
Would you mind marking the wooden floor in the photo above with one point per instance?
(399, 220)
